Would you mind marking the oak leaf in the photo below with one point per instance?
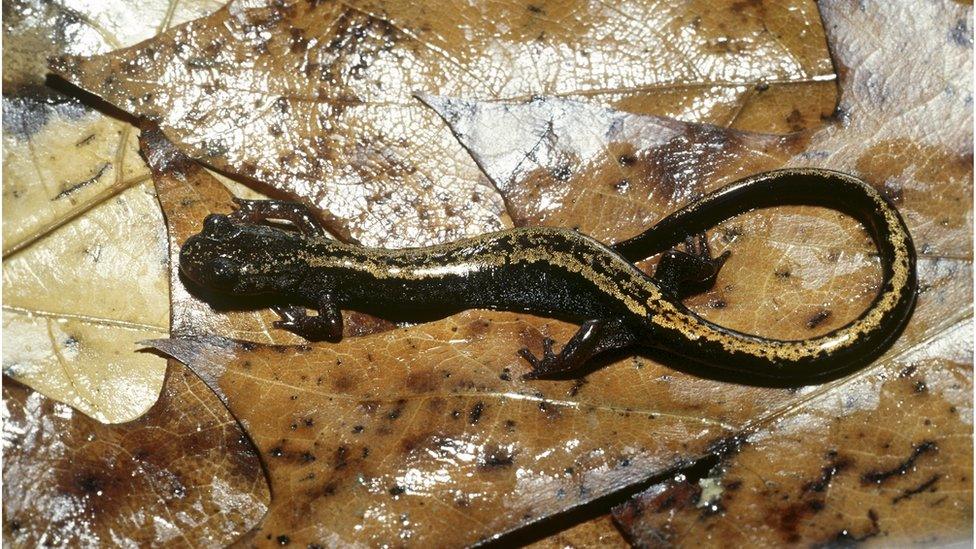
(84, 279)
(237, 370)
(314, 99)
(84, 270)
(183, 474)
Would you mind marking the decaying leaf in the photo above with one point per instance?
(896, 465)
(182, 475)
(431, 426)
(61, 156)
(397, 394)
(421, 434)
(314, 98)
(84, 271)
(379, 437)
(888, 461)
(426, 433)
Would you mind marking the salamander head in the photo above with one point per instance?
(241, 258)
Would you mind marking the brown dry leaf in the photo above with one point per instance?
(182, 475)
(885, 457)
(314, 98)
(411, 433)
(408, 434)
(895, 467)
(84, 271)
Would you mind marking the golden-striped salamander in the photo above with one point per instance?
(563, 274)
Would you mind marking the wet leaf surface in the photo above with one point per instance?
(605, 441)
(381, 436)
(84, 279)
(885, 457)
(77, 301)
(84, 271)
(320, 93)
(61, 156)
(477, 453)
(612, 174)
(184, 474)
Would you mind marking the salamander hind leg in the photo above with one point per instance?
(691, 271)
(258, 211)
(593, 337)
(326, 325)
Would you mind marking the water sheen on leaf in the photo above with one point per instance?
(84, 270)
(401, 391)
(184, 471)
(426, 434)
(884, 456)
(314, 98)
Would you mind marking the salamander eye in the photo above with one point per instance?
(215, 224)
(224, 271)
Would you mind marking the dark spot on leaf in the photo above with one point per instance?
(827, 473)
(962, 34)
(475, 414)
(340, 460)
(877, 477)
(927, 485)
(626, 160)
(78, 186)
(397, 411)
(578, 384)
(497, 457)
(562, 172)
(818, 318)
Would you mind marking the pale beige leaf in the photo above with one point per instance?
(77, 301)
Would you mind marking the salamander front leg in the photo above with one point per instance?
(691, 271)
(326, 325)
(258, 211)
(593, 337)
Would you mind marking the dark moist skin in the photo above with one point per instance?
(563, 274)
